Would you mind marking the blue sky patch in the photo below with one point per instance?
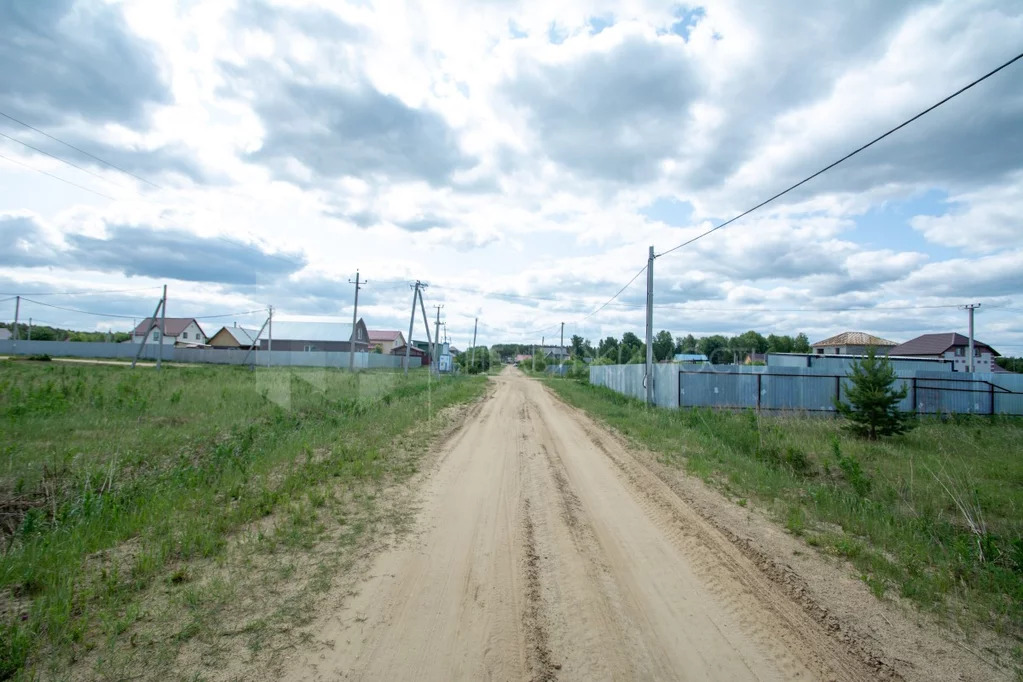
(887, 225)
(598, 24)
(669, 211)
(686, 20)
(556, 34)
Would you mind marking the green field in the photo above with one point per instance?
(136, 506)
(935, 515)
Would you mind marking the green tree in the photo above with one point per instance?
(608, 348)
(577, 346)
(630, 342)
(873, 407)
(663, 345)
(715, 348)
(779, 344)
(801, 344)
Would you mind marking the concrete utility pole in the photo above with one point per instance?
(269, 335)
(149, 328)
(17, 310)
(436, 337)
(970, 308)
(650, 328)
(163, 329)
(30, 329)
(355, 317)
(561, 357)
(472, 354)
(411, 323)
(426, 323)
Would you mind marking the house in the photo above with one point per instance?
(176, 330)
(852, 343)
(522, 358)
(316, 336)
(756, 359)
(234, 337)
(413, 352)
(555, 353)
(5, 334)
(689, 357)
(386, 339)
(949, 346)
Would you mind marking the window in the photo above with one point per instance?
(184, 335)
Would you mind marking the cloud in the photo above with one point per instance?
(65, 60)
(982, 220)
(614, 113)
(177, 254)
(25, 242)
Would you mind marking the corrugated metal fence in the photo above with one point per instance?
(216, 356)
(809, 389)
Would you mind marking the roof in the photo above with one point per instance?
(311, 331)
(413, 350)
(855, 339)
(172, 326)
(5, 334)
(690, 357)
(383, 335)
(936, 344)
(241, 335)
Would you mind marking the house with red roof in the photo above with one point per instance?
(176, 331)
(387, 339)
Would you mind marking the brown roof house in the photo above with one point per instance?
(949, 346)
(177, 330)
(388, 340)
(316, 336)
(852, 343)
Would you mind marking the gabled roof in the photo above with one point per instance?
(854, 339)
(383, 335)
(5, 334)
(241, 335)
(311, 331)
(173, 326)
(937, 344)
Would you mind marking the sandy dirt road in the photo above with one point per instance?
(543, 550)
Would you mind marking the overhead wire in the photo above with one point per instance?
(77, 149)
(62, 160)
(57, 177)
(847, 156)
(78, 293)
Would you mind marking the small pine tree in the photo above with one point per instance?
(873, 409)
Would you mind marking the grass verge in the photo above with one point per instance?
(933, 515)
(139, 508)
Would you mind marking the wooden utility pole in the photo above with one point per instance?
(355, 317)
(426, 323)
(436, 338)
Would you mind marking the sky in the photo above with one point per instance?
(520, 158)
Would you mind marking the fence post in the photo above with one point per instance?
(915, 407)
(758, 391)
(838, 389)
(991, 392)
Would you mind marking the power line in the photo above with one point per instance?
(847, 156)
(82, 312)
(75, 293)
(57, 177)
(680, 307)
(245, 312)
(77, 149)
(53, 156)
(627, 284)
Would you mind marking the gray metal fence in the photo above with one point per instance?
(216, 356)
(807, 389)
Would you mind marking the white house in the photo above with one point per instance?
(949, 346)
(183, 330)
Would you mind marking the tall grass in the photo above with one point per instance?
(109, 476)
(935, 515)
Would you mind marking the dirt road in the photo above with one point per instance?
(543, 550)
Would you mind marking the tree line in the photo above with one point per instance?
(42, 332)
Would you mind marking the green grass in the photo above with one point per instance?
(935, 515)
(114, 481)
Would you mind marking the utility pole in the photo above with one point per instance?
(970, 308)
(149, 328)
(355, 317)
(436, 337)
(30, 329)
(650, 328)
(472, 354)
(561, 360)
(269, 335)
(426, 323)
(163, 329)
(17, 310)
(411, 323)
